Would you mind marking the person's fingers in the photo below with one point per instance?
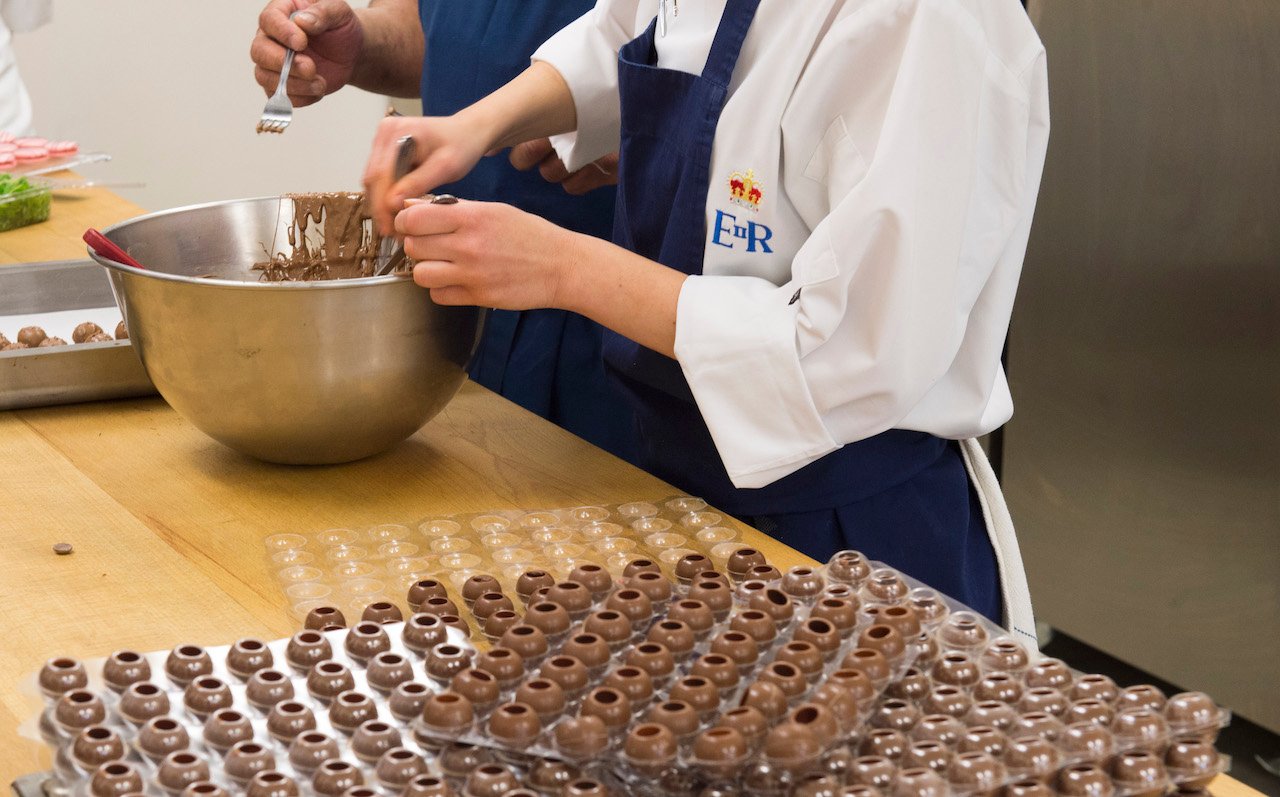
(435, 273)
(453, 295)
(274, 22)
(529, 154)
(552, 169)
(324, 15)
(423, 218)
(583, 181)
(378, 172)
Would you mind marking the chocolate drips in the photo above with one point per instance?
(347, 246)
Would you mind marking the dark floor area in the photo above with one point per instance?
(1244, 741)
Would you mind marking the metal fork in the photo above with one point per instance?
(278, 112)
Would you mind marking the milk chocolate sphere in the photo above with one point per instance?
(490, 780)
(497, 624)
(85, 331)
(872, 770)
(187, 663)
(1192, 762)
(720, 751)
(161, 736)
(204, 696)
(423, 631)
(478, 585)
(742, 649)
(288, 719)
(480, 687)
(323, 617)
(115, 779)
(633, 682)
(930, 755)
(748, 722)
(1031, 757)
(448, 713)
(247, 656)
(31, 336)
(272, 784)
(366, 640)
(246, 759)
(421, 591)
(551, 618)
(544, 696)
(95, 746)
(78, 709)
(677, 716)
(611, 706)
(125, 667)
(181, 769)
(372, 739)
(581, 738)
(792, 746)
(650, 748)
(328, 679)
(62, 675)
(335, 776)
(428, 786)
(309, 750)
(268, 687)
(1084, 780)
(514, 724)
(141, 701)
(447, 660)
(225, 728)
(633, 604)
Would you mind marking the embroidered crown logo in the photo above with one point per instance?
(745, 190)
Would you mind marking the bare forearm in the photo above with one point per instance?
(536, 104)
(391, 57)
(632, 295)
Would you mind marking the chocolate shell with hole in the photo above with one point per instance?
(328, 679)
(227, 727)
(373, 738)
(97, 745)
(381, 612)
(61, 675)
(247, 656)
(288, 719)
(309, 750)
(123, 668)
(268, 687)
(246, 759)
(335, 776)
(187, 663)
(272, 784)
(181, 769)
(397, 767)
(307, 649)
(581, 738)
(141, 701)
(422, 591)
(115, 779)
(650, 748)
(323, 617)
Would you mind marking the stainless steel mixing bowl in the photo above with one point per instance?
(297, 372)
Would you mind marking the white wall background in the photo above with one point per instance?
(166, 87)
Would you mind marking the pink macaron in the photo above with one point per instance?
(7, 159)
(32, 142)
(63, 147)
(32, 153)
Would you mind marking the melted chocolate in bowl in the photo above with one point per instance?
(331, 237)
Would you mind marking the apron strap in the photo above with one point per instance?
(1018, 617)
(727, 45)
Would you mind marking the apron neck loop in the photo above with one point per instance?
(727, 45)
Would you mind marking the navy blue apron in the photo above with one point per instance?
(547, 361)
(901, 497)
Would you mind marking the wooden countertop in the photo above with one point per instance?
(168, 525)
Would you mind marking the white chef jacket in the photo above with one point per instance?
(895, 149)
(17, 16)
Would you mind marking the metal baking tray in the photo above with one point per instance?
(64, 374)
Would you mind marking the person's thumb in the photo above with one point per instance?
(324, 15)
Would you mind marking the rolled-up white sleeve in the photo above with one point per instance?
(586, 55)
(923, 146)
